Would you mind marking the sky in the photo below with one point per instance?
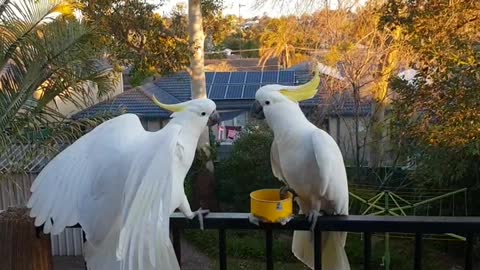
(247, 9)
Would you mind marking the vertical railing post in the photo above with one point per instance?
(367, 250)
(469, 252)
(317, 248)
(387, 235)
(222, 249)
(269, 248)
(176, 233)
(418, 252)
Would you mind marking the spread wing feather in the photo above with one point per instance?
(145, 232)
(89, 174)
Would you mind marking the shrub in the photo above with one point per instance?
(247, 169)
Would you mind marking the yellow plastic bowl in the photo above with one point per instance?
(266, 205)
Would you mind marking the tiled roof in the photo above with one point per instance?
(244, 64)
(347, 108)
(229, 90)
(133, 101)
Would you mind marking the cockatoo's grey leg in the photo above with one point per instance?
(314, 213)
(200, 213)
(187, 211)
(313, 217)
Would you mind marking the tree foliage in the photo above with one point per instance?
(247, 168)
(279, 40)
(437, 117)
(133, 34)
(216, 25)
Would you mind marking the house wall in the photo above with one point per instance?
(68, 108)
(238, 122)
(15, 191)
(342, 129)
(153, 124)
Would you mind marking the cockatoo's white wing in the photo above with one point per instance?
(85, 182)
(275, 162)
(332, 186)
(331, 168)
(144, 239)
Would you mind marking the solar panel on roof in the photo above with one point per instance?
(221, 77)
(209, 77)
(218, 91)
(209, 88)
(234, 92)
(270, 77)
(286, 77)
(250, 90)
(253, 77)
(237, 77)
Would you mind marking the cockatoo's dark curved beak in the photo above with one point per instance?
(256, 111)
(213, 119)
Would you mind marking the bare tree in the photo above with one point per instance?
(367, 57)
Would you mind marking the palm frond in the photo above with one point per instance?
(51, 54)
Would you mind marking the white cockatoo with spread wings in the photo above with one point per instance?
(121, 184)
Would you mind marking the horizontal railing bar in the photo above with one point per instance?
(352, 223)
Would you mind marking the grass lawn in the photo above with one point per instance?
(246, 250)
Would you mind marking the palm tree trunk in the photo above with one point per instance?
(205, 182)
(197, 38)
(21, 248)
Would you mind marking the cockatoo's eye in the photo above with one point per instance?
(267, 102)
(204, 113)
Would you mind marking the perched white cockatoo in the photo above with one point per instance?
(121, 184)
(310, 163)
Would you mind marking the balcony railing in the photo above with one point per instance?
(466, 226)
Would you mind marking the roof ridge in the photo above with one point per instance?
(144, 91)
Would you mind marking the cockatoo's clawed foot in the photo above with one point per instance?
(285, 221)
(312, 218)
(201, 213)
(254, 220)
(284, 192)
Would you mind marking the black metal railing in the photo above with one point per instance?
(467, 226)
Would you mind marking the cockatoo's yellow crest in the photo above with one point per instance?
(169, 107)
(305, 91)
